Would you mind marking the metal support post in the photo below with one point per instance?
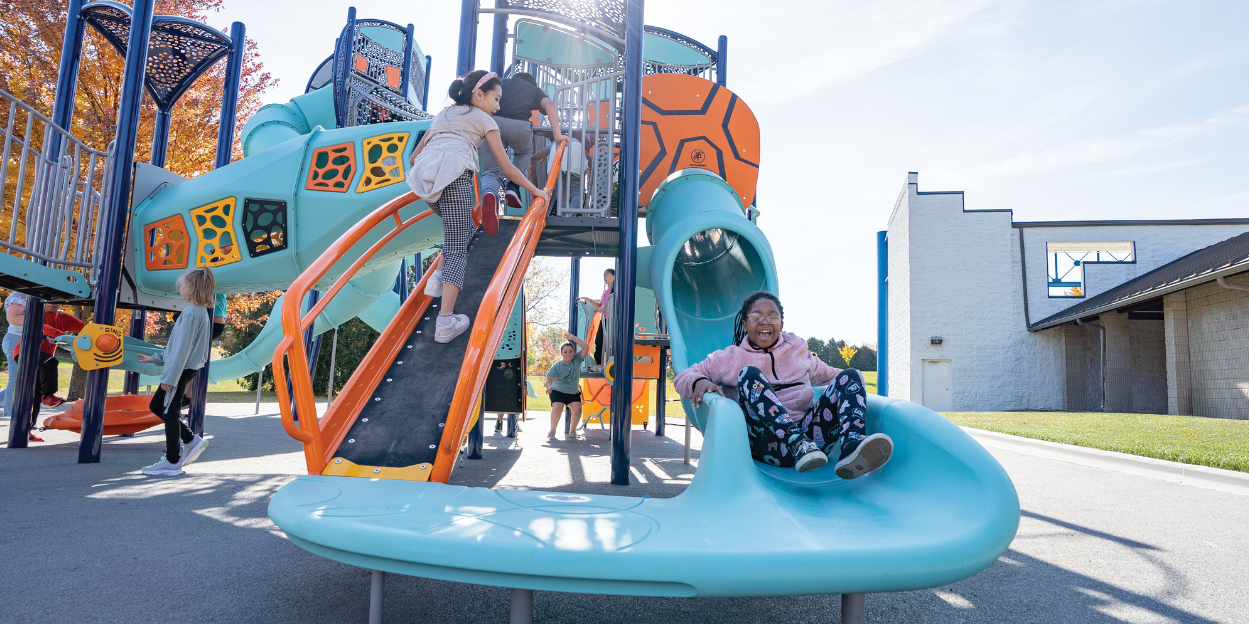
(377, 592)
(21, 392)
(22, 389)
(522, 607)
(406, 75)
(661, 393)
(882, 313)
(329, 392)
(160, 137)
(626, 275)
(225, 148)
(113, 221)
(476, 435)
(401, 282)
(260, 380)
(498, 43)
(853, 609)
(340, 106)
(722, 61)
(230, 94)
(429, 60)
(467, 55)
(138, 329)
(687, 439)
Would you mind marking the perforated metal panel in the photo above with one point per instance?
(513, 342)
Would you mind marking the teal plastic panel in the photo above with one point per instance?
(511, 346)
(385, 37)
(552, 46)
(644, 312)
(668, 52)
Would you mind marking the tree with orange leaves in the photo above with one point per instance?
(31, 35)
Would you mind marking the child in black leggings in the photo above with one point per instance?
(183, 357)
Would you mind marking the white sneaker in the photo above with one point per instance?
(433, 286)
(810, 457)
(193, 450)
(871, 453)
(447, 332)
(162, 468)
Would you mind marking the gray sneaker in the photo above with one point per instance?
(162, 468)
(445, 333)
(870, 454)
(193, 450)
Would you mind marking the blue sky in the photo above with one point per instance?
(1054, 109)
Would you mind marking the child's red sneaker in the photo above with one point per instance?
(52, 400)
(490, 214)
(35, 438)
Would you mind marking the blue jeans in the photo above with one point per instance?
(9, 344)
(515, 134)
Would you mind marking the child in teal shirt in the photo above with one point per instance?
(563, 382)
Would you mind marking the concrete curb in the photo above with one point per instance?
(1175, 472)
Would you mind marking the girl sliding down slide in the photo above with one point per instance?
(443, 165)
(770, 373)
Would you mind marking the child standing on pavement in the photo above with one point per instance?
(182, 358)
(443, 165)
(563, 382)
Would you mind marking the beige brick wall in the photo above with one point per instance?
(1218, 337)
(1118, 362)
(1179, 371)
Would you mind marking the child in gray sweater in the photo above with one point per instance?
(183, 357)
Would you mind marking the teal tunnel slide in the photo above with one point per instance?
(940, 511)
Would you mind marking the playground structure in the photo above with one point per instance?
(318, 207)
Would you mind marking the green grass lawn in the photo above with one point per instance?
(1215, 442)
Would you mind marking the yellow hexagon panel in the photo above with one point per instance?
(214, 224)
(383, 161)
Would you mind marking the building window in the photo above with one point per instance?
(1067, 260)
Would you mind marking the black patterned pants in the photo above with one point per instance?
(455, 206)
(835, 419)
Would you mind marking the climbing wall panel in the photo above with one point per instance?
(214, 224)
(166, 244)
(383, 161)
(264, 226)
(332, 168)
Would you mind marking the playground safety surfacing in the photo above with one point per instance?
(102, 543)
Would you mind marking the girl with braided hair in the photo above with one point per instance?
(443, 165)
(770, 373)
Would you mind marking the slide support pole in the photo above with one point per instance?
(522, 607)
(853, 609)
(468, 38)
(882, 313)
(377, 592)
(626, 277)
(661, 392)
(722, 61)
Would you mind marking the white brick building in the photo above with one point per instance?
(985, 313)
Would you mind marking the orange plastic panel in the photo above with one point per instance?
(332, 168)
(362, 64)
(124, 414)
(596, 399)
(218, 242)
(394, 77)
(603, 109)
(383, 161)
(645, 370)
(166, 244)
(692, 123)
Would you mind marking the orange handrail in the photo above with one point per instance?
(484, 339)
(309, 430)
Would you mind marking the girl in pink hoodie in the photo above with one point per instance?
(770, 374)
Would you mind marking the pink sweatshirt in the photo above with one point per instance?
(787, 362)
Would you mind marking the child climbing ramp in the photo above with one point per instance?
(771, 373)
(443, 165)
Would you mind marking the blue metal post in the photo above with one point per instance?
(467, 55)
(138, 329)
(401, 282)
(225, 151)
(882, 313)
(407, 61)
(340, 107)
(160, 137)
(626, 275)
(498, 43)
(114, 220)
(22, 381)
(476, 437)
(429, 60)
(574, 294)
(661, 392)
(722, 61)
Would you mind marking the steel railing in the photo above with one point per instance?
(52, 191)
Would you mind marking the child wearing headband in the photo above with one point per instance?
(443, 165)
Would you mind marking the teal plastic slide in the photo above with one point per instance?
(940, 511)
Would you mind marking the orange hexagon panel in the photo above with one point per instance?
(166, 244)
(218, 242)
(692, 123)
(383, 161)
(332, 168)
